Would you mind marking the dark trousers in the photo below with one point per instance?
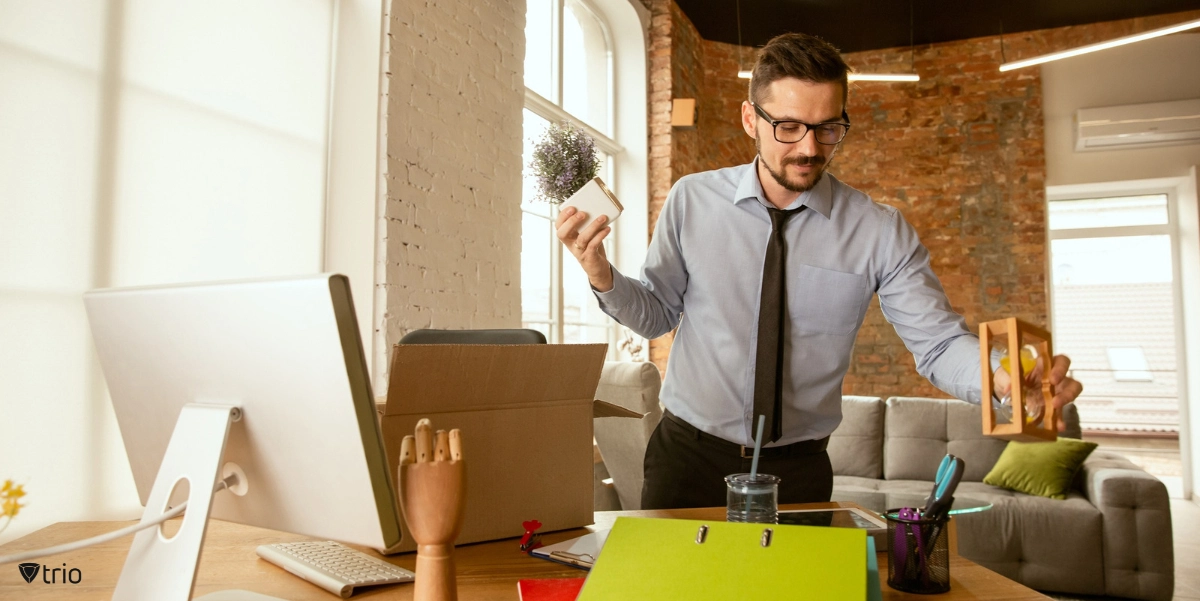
(685, 467)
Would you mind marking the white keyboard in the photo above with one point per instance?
(333, 566)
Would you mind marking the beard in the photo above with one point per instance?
(781, 178)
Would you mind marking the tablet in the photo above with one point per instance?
(844, 517)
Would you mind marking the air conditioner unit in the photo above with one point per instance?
(1138, 125)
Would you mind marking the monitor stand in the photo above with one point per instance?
(165, 569)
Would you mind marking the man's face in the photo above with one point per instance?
(797, 166)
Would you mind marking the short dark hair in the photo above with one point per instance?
(800, 55)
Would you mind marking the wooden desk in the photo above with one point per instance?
(486, 571)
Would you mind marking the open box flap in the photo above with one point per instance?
(440, 378)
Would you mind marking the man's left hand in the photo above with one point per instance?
(1066, 389)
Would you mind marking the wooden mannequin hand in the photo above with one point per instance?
(432, 477)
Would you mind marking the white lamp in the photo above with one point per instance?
(1154, 33)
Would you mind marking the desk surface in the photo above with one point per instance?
(486, 571)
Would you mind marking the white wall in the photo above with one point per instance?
(451, 221)
(1156, 70)
(353, 183)
(146, 143)
(1188, 215)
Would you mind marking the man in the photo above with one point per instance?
(768, 269)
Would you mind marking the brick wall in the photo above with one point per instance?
(451, 219)
(665, 18)
(960, 153)
(684, 65)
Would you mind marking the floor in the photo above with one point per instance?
(1185, 519)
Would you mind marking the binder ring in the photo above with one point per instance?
(701, 535)
(766, 537)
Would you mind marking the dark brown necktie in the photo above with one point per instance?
(768, 359)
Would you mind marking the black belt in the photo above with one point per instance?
(803, 447)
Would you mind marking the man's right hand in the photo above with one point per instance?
(586, 245)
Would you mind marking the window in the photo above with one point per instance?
(194, 140)
(1129, 364)
(568, 77)
(1114, 302)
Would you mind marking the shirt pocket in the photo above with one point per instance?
(825, 301)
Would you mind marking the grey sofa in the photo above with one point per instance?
(1111, 536)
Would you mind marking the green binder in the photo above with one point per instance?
(690, 560)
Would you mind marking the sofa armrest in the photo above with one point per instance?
(1139, 558)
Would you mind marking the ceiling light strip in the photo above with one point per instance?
(1154, 33)
(884, 77)
(864, 76)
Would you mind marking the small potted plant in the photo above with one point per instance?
(565, 166)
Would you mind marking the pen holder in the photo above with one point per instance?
(918, 554)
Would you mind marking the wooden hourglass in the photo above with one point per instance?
(1023, 426)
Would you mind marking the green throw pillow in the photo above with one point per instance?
(1040, 468)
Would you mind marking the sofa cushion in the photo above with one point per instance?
(1045, 469)
(920, 431)
(856, 447)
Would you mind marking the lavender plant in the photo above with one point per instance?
(564, 159)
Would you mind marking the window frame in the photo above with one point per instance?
(1181, 205)
(552, 111)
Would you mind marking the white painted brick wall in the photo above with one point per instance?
(452, 221)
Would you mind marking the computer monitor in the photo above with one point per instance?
(265, 379)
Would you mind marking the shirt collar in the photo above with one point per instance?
(819, 199)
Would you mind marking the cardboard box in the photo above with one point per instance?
(525, 413)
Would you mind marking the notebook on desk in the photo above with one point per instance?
(549, 589)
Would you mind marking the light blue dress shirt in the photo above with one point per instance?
(703, 272)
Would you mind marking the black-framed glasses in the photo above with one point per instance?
(790, 132)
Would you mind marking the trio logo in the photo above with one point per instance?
(29, 571)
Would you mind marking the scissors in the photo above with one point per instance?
(942, 498)
(943, 467)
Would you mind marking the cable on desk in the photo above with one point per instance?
(108, 536)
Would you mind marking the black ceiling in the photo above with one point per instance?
(855, 25)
